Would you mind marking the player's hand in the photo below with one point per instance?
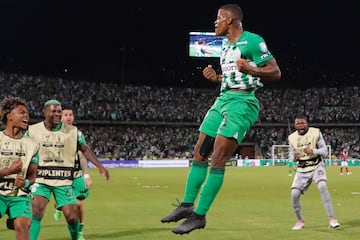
(243, 65)
(15, 167)
(209, 73)
(105, 172)
(308, 151)
(88, 182)
(19, 181)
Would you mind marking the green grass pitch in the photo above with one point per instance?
(253, 204)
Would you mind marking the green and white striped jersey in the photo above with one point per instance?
(249, 46)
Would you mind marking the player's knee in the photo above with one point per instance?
(295, 193)
(322, 184)
(206, 146)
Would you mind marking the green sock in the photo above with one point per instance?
(194, 181)
(81, 227)
(210, 190)
(74, 230)
(34, 228)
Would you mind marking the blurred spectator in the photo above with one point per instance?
(162, 122)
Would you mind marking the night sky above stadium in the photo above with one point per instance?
(102, 34)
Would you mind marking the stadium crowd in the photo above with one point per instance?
(149, 122)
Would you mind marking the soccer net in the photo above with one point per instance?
(282, 152)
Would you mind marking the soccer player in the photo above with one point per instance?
(245, 60)
(344, 164)
(59, 145)
(19, 159)
(309, 148)
(82, 180)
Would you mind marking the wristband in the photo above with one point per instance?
(86, 175)
(27, 183)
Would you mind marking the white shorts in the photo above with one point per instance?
(344, 163)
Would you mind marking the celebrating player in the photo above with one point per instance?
(245, 59)
(308, 147)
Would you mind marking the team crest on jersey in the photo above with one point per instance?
(263, 47)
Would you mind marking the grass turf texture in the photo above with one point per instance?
(254, 203)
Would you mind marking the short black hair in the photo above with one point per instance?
(67, 107)
(235, 10)
(301, 116)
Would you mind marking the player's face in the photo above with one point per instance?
(53, 114)
(67, 116)
(301, 125)
(221, 24)
(19, 117)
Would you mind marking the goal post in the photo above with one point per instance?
(280, 155)
(280, 152)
